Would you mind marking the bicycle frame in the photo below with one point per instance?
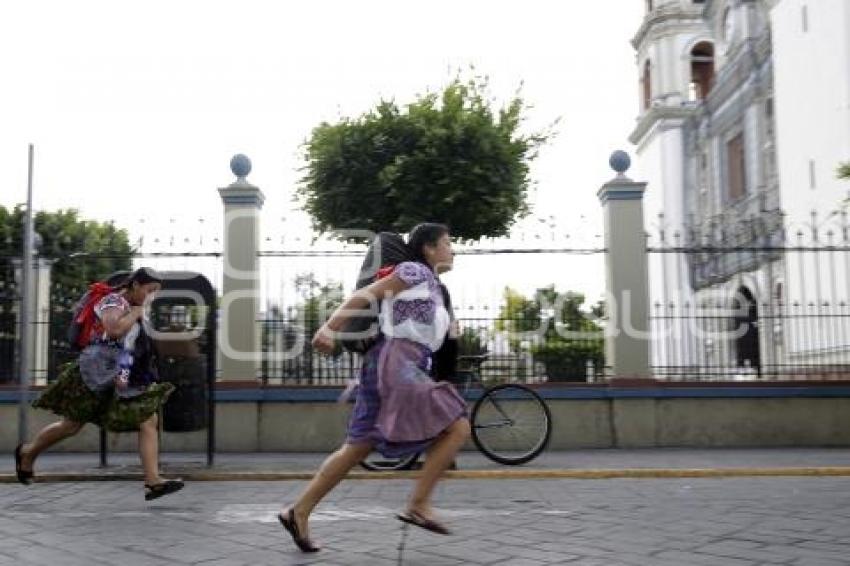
(473, 375)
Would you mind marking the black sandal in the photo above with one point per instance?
(162, 488)
(414, 518)
(304, 544)
(24, 476)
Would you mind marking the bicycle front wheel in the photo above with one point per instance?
(511, 424)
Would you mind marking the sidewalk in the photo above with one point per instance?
(577, 464)
(731, 521)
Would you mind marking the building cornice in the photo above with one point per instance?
(242, 195)
(659, 115)
(668, 18)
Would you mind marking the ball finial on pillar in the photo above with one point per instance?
(241, 166)
(620, 161)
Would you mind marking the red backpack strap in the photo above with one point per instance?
(86, 317)
(385, 271)
(100, 288)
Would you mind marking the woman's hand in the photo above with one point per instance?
(116, 323)
(121, 381)
(323, 340)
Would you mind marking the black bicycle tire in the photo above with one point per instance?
(527, 457)
(404, 463)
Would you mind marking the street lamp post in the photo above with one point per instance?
(26, 278)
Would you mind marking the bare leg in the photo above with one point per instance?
(149, 449)
(438, 458)
(330, 473)
(47, 437)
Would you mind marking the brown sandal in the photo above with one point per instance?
(24, 476)
(303, 543)
(153, 491)
(414, 518)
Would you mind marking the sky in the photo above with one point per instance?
(135, 109)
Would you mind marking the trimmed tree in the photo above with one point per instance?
(447, 158)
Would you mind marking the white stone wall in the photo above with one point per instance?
(811, 45)
(812, 85)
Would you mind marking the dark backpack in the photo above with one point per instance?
(83, 317)
(386, 251)
(444, 360)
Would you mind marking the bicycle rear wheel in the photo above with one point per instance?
(374, 462)
(511, 424)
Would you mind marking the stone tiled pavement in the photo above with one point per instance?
(733, 521)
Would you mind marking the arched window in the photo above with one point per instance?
(702, 70)
(647, 86)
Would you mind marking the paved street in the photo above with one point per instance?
(723, 521)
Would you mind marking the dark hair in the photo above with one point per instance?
(142, 276)
(116, 280)
(425, 233)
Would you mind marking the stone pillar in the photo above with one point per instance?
(39, 345)
(627, 339)
(239, 332)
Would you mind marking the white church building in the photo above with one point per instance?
(744, 118)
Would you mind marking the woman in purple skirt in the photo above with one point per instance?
(399, 409)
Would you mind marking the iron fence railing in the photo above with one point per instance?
(773, 305)
(762, 305)
(774, 342)
(531, 356)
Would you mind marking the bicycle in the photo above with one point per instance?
(511, 424)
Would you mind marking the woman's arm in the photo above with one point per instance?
(116, 323)
(388, 286)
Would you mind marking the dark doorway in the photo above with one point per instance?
(746, 329)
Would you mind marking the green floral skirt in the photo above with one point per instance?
(69, 397)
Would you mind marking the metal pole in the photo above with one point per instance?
(212, 349)
(26, 267)
(104, 460)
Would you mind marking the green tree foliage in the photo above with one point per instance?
(82, 250)
(844, 170)
(518, 314)
(556, 329)
(287, 330)
(319, 301)
(448, 158)
(471, 342)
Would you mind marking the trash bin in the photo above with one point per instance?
(186, 409)
(181, 363)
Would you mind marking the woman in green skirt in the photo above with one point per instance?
(117, 389)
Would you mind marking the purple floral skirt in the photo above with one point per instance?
(399, 409)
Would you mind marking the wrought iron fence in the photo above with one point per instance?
(296, 273)
(9, 325)
(757, 302)
(528, 357)
(8, 339)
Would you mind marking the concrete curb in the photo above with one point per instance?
(599, 474)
